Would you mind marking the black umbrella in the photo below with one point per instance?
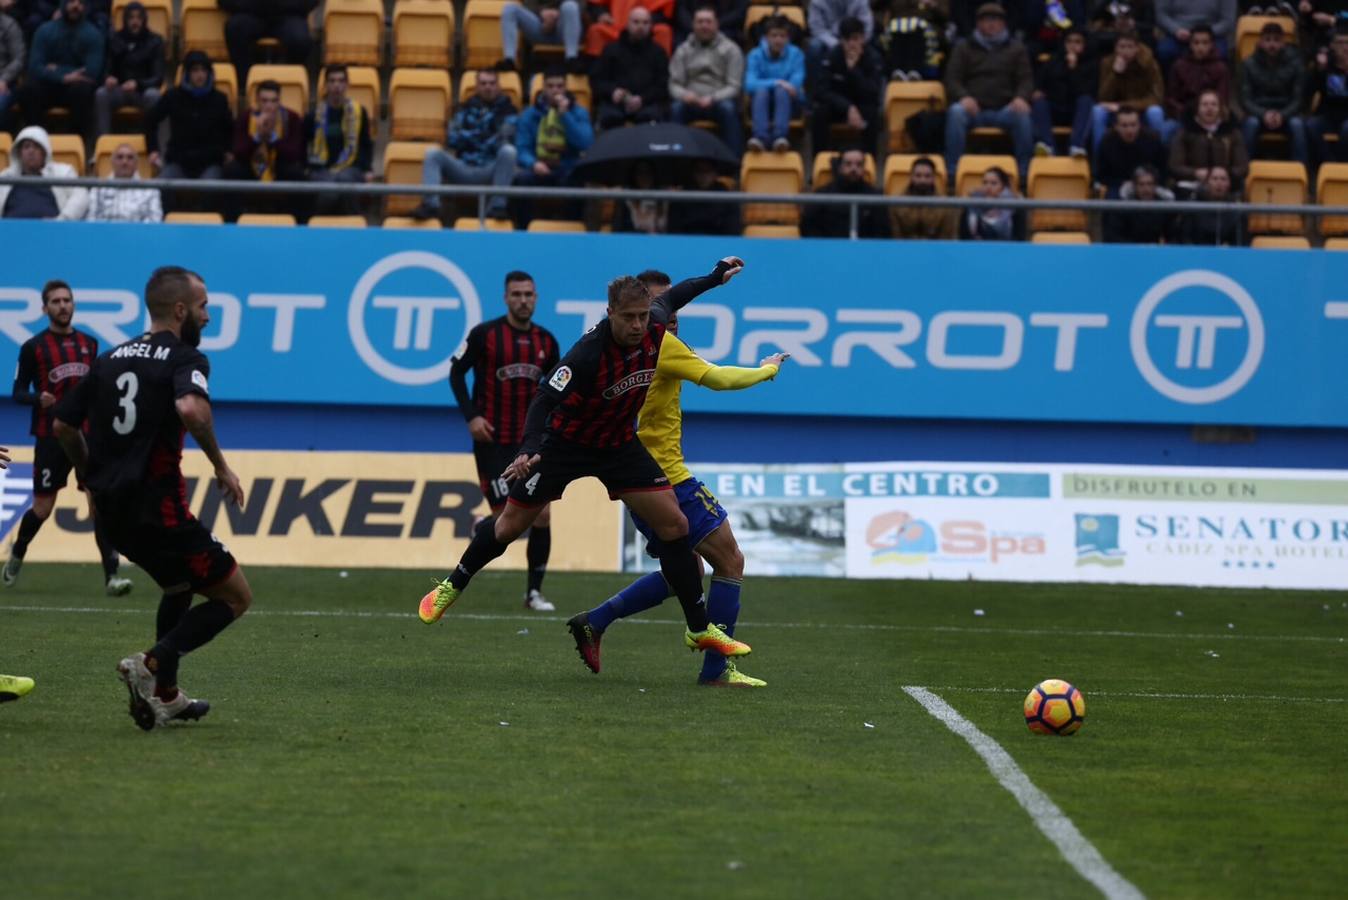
(669, 146)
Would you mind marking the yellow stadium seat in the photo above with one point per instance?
(353, 32)
(1276, 182)
(772, 231)
(772, 173)
(338, 222)
(903, 99)
(423, 33)
(405, 222)
(418, 104)
(823, 169)
(1248, 28)
(578, 85)
(1061, 237)
(1331, 189)
(898, 166)
(969, 172)
(482, 33)
(364, 89)
(201, 25)
(1280, 242)
(194, 218)
(759, 12)
(556, 226)
(402, 165)
(294, 81)
(107, 143)
(158, 16)
(270, 220)
(471, 223)
(511, 86)
(69, 149)
(6, 142)
(1336, 244)
(1059, 178)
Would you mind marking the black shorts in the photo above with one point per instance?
(179, 558)
(492, 460)
(623, 470)
(51, 466)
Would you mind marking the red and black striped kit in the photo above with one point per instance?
(508, 363)
(53, 363)
(603, 412)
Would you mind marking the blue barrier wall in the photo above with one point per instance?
(878, 329)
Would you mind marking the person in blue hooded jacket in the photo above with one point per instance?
(550, 136)
(774, 79)
(65, 67)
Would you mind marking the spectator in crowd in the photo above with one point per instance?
(631, 79)
(544, 23)
(1322, 18)
(1047, 23)
(850, 85)
(1065, 95)
(1129, 76)
(65, 66)
(1270, 92)
(1178, 18)
(641, 216)
(33, 14)
(912, 39)
(1213, 228)
(705, 77)
(1198, 70)
(340, 149)
(825, 18)
(610, 19)
(128, 204)
(135, 68)
(1330, 79)
(730, 15)
(704, 218)
(1151, 227)
(989, 82)
(774, 79)
(252, 20)
(1208, 141)
(200, 124)
(1111, 18)
(992, 223)
(923, 222)
(551, 136)
(12, 54)
(268, 146)
(479, 147)
(31, 158)
(849, 177)
(1128, 145)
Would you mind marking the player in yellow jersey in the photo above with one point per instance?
(660, 430)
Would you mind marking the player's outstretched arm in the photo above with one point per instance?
(195, 412)
(683, 293)
(737, 378)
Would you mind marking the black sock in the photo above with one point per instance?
(540, 547)
(679, 566)
(481, 550)
(106, 552)
(197, 627)
(172, 608)
(28, 527)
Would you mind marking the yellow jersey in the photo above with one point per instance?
(660, 422)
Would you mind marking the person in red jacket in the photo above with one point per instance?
(268, 141)
(1199, 70)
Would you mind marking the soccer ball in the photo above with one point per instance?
(1054, 707)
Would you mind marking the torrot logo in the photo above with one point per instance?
(1196, 335)
(417, 318)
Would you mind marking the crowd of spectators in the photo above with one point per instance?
(1148, 89)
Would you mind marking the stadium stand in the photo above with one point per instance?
(406, 222)
(772, 231)
(471, 223)
(1276, 182)
(510, 82)
(899, 165)
(904, 99)
(353, 32)
(555, 226)
(822, 171)
(269, 220)
(6, 143)
(1331, 189)
(201, 26)
(423, 33)
(294, 81)
(1061, 237)
(969, 173)
(402, 165)
(578, 85)
(69, 149)
(1248, 27)
(772, 173)
(338, 222)
(364, 89)
(482, 33)
(107, 143)
(1280, 242)
(418, 104)
(1058, 178)
(158, 16)
(194, 218)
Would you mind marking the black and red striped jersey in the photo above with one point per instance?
(135, 434)
(507, 365)
(51, 363)
(601, 386)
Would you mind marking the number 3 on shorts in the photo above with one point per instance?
(532, 484)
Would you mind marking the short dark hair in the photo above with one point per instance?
(337, 69)
(1004, 178)
(922, 161)
(1126, 110)
(776, 23)
(1205, 28)
(517, 275)
(707, 7)
(625, 288)
(554, 70)
(849, 27)
(55, 284)
(269, 85)
(654, 278)
(1126, 36)
(1147, 169)
(168, 285)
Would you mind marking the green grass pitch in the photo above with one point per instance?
(352, 751)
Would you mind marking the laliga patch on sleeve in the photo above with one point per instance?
(561, 378)
(199, 380)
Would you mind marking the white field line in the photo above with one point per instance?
(1150, 695)
(1048, 818)
(928, 629)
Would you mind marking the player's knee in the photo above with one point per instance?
(673, 529)
(510, 524)
(240, 603)
(42, 507)
(732, 566)
(544, 519)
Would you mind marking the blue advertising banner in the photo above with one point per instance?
(943, 330)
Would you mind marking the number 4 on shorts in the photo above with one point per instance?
(532, 483)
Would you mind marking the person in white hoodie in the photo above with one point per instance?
(32, 158)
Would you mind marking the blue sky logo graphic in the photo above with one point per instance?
(897, 537)
(1098, 540)
(16, 495)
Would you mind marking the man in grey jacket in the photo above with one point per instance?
(1176, 19)
(11, 64)
(1271, 90)
(989, 82)
(705, 78)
